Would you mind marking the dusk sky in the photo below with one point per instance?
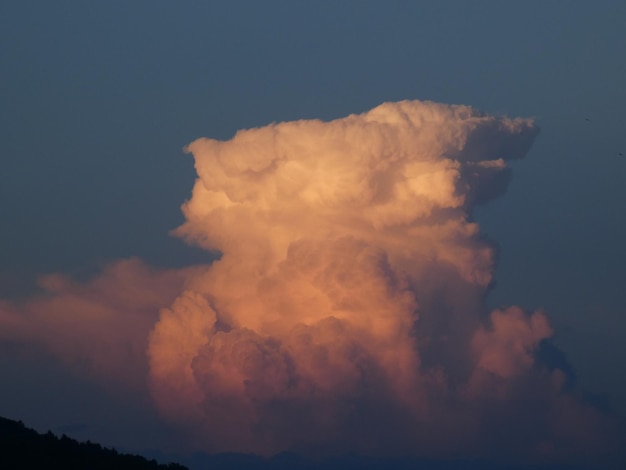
(114, 323)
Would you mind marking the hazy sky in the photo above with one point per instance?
(99, 99)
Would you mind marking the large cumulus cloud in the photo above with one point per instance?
(348, 309)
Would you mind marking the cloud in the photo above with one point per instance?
(348, 308)
(99, 327)
(347, 311)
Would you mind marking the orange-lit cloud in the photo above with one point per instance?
(99, 327)
(347, 312)
(348, 308)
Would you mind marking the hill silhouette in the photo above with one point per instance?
(25, 448)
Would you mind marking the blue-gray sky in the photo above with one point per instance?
(97, 100)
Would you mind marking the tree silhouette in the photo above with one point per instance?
(24, 448)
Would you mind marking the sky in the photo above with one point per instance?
(100, 104)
